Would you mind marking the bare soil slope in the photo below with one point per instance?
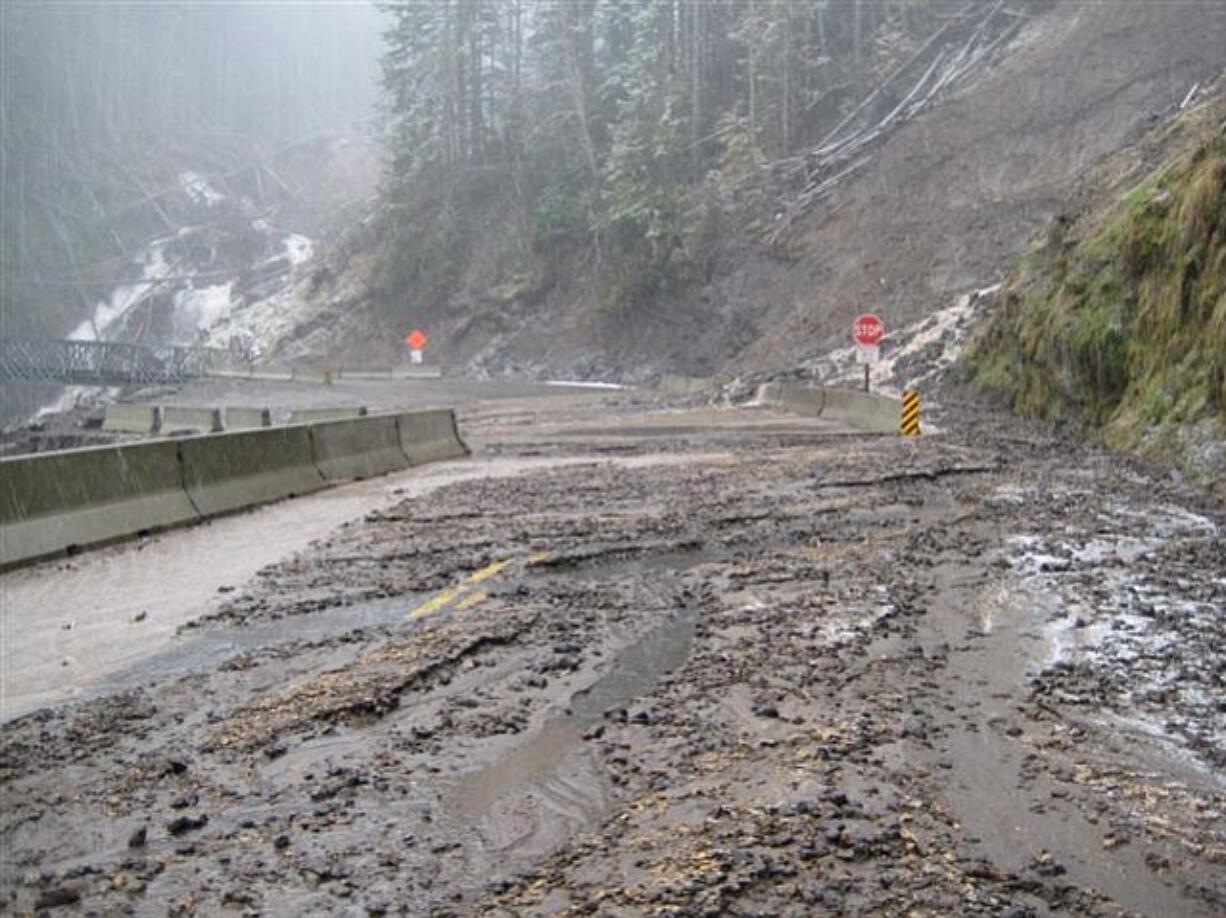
(950, 200)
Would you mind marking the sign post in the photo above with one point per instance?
(416, 340)
(867, 331)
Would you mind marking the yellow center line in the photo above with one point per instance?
(470, 600)
(450, 595)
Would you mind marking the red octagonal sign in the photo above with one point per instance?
(867, 330)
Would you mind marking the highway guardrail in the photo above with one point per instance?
(868, 411)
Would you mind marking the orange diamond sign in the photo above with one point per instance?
(416, 340)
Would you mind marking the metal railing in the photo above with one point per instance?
(105, 363)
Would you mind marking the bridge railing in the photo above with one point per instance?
(105, 363)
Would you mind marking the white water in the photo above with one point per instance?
(154, 267)
(947, 328)
(203, 310)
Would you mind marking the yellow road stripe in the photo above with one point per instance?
(451, 594)
(470, 600)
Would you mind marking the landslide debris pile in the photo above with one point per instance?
(1118, 319)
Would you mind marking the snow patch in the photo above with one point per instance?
(197, 310)
(584, 384)
(77, 396)
(913, 353)
(199, 189)
(259, 326)
(154, 267)
(299, 248)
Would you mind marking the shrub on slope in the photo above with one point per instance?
(1119, 320)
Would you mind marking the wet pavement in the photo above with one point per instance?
(658, 658)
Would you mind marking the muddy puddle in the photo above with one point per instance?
(1013, 818)
(615, 566)
(551, 785)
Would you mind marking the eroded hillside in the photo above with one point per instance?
(940, 207)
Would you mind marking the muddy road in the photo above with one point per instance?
(649, 658)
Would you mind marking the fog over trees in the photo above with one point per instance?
(624, 131)
(617, 139)
(101, 104)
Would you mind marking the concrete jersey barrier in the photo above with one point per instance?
(868, 411)
(247, 418)
(311, 375)
(245, 468)
(202, 420)
(673, 384)
(430, 436)
(223, 373)
(270, 374)
(317, 415)
(51, 502)
(324, 376)
(864, 410)
(416, 372)
(141, 419)
(357, 448)
(374, 373)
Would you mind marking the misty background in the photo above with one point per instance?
(126, 123)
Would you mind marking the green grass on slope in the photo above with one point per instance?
(1123, 327)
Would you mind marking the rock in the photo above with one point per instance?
(137, 838)
(184, 824)
(1045, 866)
(57, 896)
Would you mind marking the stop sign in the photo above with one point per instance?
(867, 330)
(416, 340)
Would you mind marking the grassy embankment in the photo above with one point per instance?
(1118, 321)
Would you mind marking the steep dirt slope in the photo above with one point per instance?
(944, 207)
(949, 201)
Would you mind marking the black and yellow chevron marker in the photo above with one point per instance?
(910, 414)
